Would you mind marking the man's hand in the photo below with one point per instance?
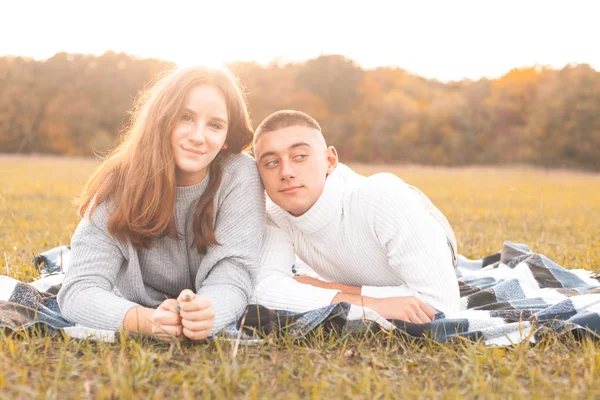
(166, 322)
(197, 315)
(408, 308)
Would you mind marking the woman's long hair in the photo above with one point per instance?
(138, 177)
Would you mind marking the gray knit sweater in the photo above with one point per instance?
(108, 277)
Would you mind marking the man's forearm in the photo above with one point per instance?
(355, 299)
(308, 280)
(347, 289)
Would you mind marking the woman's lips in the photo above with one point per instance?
(200, 153)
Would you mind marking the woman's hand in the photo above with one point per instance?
(166, 321)
(197, 315)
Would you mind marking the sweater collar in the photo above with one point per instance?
(326, 208)
(193, 192)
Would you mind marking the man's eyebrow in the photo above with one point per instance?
(267, 154)
(298, 144)
(292, 146)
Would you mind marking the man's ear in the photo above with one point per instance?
(332, 159)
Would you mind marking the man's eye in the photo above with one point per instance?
(300, 157)
(271, 163)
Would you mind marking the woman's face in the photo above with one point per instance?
(199, 133)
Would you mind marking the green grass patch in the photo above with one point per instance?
(554, 212)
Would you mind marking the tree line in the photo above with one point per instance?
(76, 104)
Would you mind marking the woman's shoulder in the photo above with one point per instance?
(99, 212)
(238, 160)
(241, 167)
(93, 226)
(241, 189)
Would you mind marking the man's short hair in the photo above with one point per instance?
(283, 119)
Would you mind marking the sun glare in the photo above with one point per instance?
(443, 40)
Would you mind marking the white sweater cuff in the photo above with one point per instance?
(380, 292)
(293, 296)
(320, 297)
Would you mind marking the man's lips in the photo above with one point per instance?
(290, 189)
(200, 153)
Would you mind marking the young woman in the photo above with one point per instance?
(173, 219)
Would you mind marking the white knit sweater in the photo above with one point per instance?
(374, 232)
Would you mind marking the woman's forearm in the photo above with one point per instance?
(139, 320)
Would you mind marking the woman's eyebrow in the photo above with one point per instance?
(221, 120)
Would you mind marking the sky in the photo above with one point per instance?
(446, 40)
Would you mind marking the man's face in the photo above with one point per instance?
(293, 163)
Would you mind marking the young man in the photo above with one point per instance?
(376, 242)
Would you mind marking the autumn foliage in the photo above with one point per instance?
(76, 105)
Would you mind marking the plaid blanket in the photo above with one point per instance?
(512, 296)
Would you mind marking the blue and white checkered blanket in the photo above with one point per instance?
(512, 296)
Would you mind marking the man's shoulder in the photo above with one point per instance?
(378, 182)
(382, 184)
(383, 195)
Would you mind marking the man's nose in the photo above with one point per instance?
(287, 172)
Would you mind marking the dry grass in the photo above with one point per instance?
(555, 212)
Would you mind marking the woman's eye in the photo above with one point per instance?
(187, 118)
(214, 125)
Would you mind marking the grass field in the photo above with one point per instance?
(555, 212)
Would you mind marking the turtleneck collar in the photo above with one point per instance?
(325, 209)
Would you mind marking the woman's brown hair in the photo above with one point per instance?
(138, 177)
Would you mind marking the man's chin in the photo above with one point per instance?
(295, 211)
(295, 208)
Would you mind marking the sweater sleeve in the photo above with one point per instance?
(276, 287)
(87, 296)
(415, 242)
(239, 230)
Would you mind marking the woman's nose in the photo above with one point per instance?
(198, 135)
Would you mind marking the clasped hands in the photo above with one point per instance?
(189, 316)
